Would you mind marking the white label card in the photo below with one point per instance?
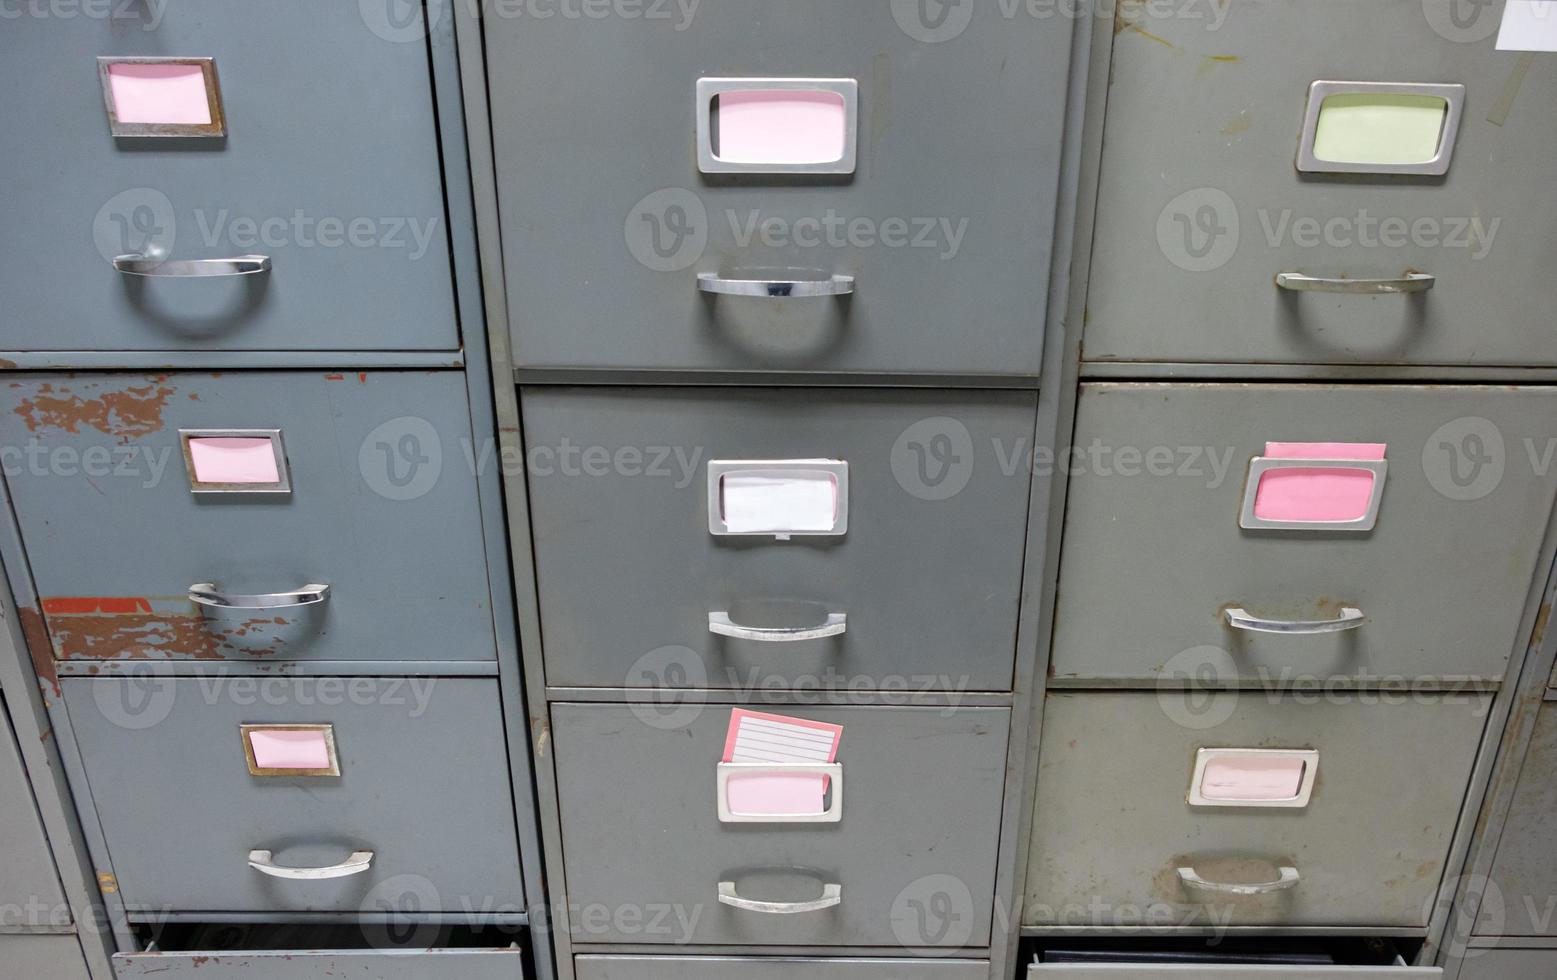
(1529, 25)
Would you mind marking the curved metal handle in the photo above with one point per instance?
(206, 594)
(1411, 282)
(145, 265)
(721, 623)
(1289, 879)
(710, 282)
(832, 896)
(359, 862)
(1241, 619)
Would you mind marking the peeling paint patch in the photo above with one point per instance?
(133, 629)
(38, 646)
(132, 411)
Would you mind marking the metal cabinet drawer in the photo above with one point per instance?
(947, 240)
(30, 896)
(1204, 201)
(329, 167)
(733, 968)
(1171, 538)
(1509, 964)
(187, 795)
(378, 505)
(912, 857)
(461, 964)
(627, 487)
(1524, 875)
(42, 957)
(1201, 971)
(1226, 959)
(1363, 845)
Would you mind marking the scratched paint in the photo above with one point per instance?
(132, 410)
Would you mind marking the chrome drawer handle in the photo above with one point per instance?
(1411, 282)
(1289, 879)
(359, 862)
(721, 623)
(709, 282)
(145, 265)
(832, 896)
(206, 594)
(1241, 619)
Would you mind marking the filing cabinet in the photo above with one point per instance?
(1101, 971)
(628, 775)
(29, 881)
(281, 187)
(43, 957)
(1359, 839)
(249, 834)
(734, 968)
(1509, 964)
(807, 186)
(1209, 525)
(1221, 175)
(252, 516)
(1524, 873)
(910, 574)
(494, 964)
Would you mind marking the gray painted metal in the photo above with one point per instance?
(1521, 897)
(30, 896)
(733, 968)
(607, 222)
(331, 160)
(1509, 964)
(640, 829)
(42, 958)
(928, 574)
(1197, 971)
(165, 763)
(1112, 824)
(1152, 560)
(398, 543)
(1203, 118)
(442, 964)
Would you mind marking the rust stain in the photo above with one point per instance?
(107, 883)
(362, 377)
(133, 411)
(101, 634)
(7, 364)
(335, 377)
(1542, 619)
(38, 646)
(1138, 29)
(86, 605)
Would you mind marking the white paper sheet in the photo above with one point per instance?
(1529, 25)
(779, 501)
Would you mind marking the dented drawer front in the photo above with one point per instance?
(182, 828)
(1165, 475)
(920, 562)
(1366, 848)
(1508, 964)
(1204, 199)
(292, 481)
(463, 964)
(42, 957)
(732, 968)
(30, 896)
(1519, 900)
(629, 774)
(313, 98)
(949, 275)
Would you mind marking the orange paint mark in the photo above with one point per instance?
(88, 605)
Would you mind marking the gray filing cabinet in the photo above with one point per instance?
(30, 885)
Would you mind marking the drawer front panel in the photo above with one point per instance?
(405, 748)
(624, 476)
(1103, 971)
(1157, 553)
(950, 272)
(381, 507)
(627, 774)
(1368, 849)
(355, 264)
(43, 957)
(1509, 964)
(485, 964)
(1202, 205)
(732, 968)
(1524, 876)
(30, 882)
